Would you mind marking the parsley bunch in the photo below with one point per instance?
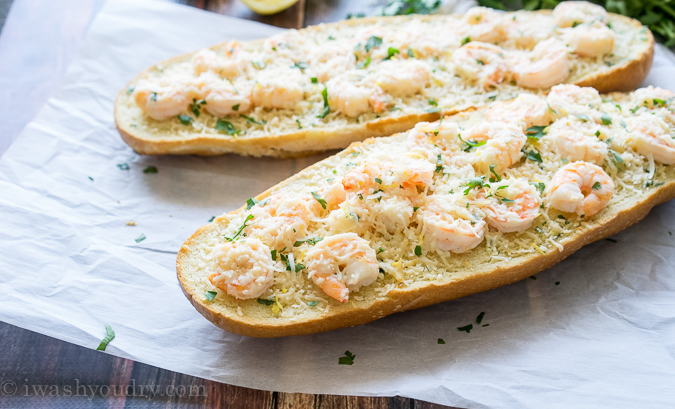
(403, 7)
(658, 15)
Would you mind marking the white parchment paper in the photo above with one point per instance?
(603, 337)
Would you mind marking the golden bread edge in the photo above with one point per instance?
(419, 294)
(623, 77)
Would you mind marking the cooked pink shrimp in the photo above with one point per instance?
(502, 146)
(332, 194)
(528, 29)
(334, 66)
(650, 134)
(163, 98)
(402, 77)
(546, 65)
(484, 24)
(573, 142)
(426, 134)
(580, 187)
(354, 100)
(568, 99)
(278, 89)
(233, 63)
(341, 264)
(450, 226)
(363, 178)
(482, 62)
(572, 13)
(526, 110)
(280, 224)
(591, 40)
(514, 204)
(221, 97)
(243, 268)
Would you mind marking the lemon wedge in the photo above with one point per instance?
(269, 6)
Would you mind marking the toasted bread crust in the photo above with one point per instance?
(419, 294)
(622, 77)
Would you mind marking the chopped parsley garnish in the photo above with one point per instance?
(274, 255)
(480, 62)
(433, 102)
(364, 64)
(150, 169)
(299, 124)
(109, 336)
(302, 66)
(597, 186)
(390, 53)
(466, 328)
(241, 228)
(378, 180)
(597, 133)
(310, 241)
(250, 203)
(533, 277)
(348, 359)
(212, 219)
(439, 164)
(617, 161)
(470, 144)
(130, 89)
(235, 107)
(326, 107)
(250, 120)
(351, 16)
(91, 178)
(477, 182)
(259, 64)
(479, 318)
(606, 119)
(153, 96)
(536, 132)
(196, 106)
(540, 186)
(210, 295)
(223, 125)
(440, 341)
(380, 250)
(360, 196)
(557, 283)
(265, 302)
(415, 208)
(373, 42)
(612, 240)
(140, 238)
(314, 80)
(583, 117)
(535, 156)
(411, 53)
(123, 166)
(319, 199)
(659, 102)
(418, 251)
(560, 216)
(312, 303)
(185, 119)
(466, 40)
(496, 178)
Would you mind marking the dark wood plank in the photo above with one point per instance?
(293, 17)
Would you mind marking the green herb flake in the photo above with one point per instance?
(302, 66)
(123, 166)
(223, 125)
(466, 40)
(150, 169)
(540, 186)
(196, 106)
(364, 64)
(418, 251)
(378, 180)
(536, 132)
(130, 89)
(496, 178)
(250, 203)
(265, 302)
(326, 107)
(91, 178)
(533, 277)
(440, 341)
(380, 250)
(309, 241)
(109, 336)
(534, 156)
(617, 161)
(470, 144)
(250, 120)
(312, 303)
(212, 219)
(597, 186)
(210, 295)
(477, 182)
(185, 119)
(583, 117)
(348, 359)
(557, 283)
(415, 208)
(390, 53)
(241, 228)
(466, 328)
(606, 119)
(479, 318)
(318, 198)
(373, 42)
(297, 121)
(140, 238)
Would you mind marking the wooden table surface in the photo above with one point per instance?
(37, 43)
